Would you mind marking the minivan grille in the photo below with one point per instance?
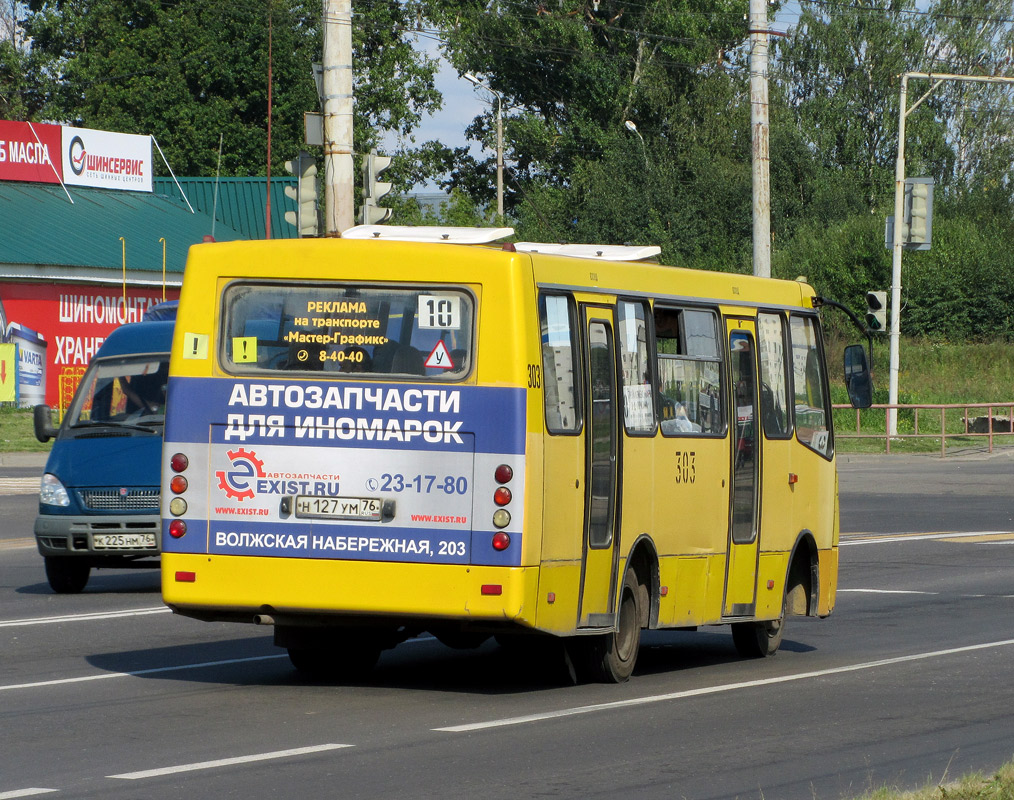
(120, 499)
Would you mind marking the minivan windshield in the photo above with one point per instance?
(126, 392)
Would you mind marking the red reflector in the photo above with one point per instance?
(501, 540)
(793, 478)
(502, 496)
(178, 484)
(179, 462)
(186, 577)
(551, 598)
(663, 591)
(503, 473)
(492, 588)
(177, 528)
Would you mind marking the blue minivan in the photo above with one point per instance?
(99, 498)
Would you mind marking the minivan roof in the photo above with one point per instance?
(139, 337)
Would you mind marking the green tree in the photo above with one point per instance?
(189, 70)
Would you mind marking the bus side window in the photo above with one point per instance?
(774, 389)
(689, 372)
(638, 409)
(810, 386)
(558, 358)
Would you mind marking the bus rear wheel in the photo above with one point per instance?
(611, 658)
(758, 639)
(67, 575)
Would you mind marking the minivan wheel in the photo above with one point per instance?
(67, 575)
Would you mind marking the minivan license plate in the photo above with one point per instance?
(123, 541)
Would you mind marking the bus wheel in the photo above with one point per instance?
(611, 658)
(350, 662)
(67, 575)
(757, 639)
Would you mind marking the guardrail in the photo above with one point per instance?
(947, 421)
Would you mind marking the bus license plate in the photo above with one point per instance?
(123, 541)
(363, 508)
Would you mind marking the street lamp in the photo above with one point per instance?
(468, 76)
(630, 126)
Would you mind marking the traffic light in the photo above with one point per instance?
(304, 218)
(876, 311)
(373, 190)
(918, 218)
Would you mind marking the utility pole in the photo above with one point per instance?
(337, 89)
(760, 137)
(468, 76)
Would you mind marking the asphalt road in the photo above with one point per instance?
(106, 694)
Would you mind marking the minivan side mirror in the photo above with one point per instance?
(858, 381)
(43, 419)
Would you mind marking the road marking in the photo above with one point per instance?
(865, 538)
(135, 673)
(888, 591)
(228, 762)
(24, 793)
(16, 544)
(134, 612)
(727, 687)
(12, 486)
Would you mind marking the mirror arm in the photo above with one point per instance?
(818, 302)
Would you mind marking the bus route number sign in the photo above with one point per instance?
(362, 508)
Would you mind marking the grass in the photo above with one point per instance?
(930, 372)
(999, 786)
(17, 432)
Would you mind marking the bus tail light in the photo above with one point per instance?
(177, 528)
(178, 484)
(179, 462)
(501, 540)
(186, 577)
(502, 496)
(501, 518)
(492, 588)
(503, 473)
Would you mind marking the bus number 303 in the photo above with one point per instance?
(686, 467)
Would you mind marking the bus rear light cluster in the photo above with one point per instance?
(502, 496)
(178, 485)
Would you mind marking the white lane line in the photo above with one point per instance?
(133, 612)
(706, 690)
(227, 762)
(153, 671)
(888, 591)
(25, 793)
(847, 539)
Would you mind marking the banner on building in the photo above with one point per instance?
(77, 156)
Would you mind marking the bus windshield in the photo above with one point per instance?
(354, 329)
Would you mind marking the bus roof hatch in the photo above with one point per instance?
(427, 233)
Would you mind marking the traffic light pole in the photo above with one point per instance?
(899, 208)
(339, 176)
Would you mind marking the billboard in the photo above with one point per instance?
(30, 152)
(59, 328)
(78, 156)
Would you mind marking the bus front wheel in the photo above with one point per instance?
(757, 639)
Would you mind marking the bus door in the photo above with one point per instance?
(598, 573)
(744, 497)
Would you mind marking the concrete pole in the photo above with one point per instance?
(339, 180)
(897, 248)
(499, 156)
(760, 129)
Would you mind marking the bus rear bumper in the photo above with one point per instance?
(312, 592)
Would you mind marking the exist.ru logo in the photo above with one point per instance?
(238, 482)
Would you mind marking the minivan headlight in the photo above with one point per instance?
(52, 492)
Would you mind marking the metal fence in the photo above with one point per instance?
(966, 423)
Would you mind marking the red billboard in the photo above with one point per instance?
(30, 151)
(60, 327)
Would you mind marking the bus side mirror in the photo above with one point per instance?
(858, 380)
(43, 419)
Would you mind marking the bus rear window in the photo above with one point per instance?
(349, 329)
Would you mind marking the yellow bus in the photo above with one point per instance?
(411, 430)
